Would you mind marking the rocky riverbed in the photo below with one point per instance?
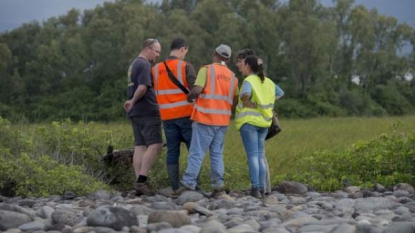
(291, 208)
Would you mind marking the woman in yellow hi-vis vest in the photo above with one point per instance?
(254, 116)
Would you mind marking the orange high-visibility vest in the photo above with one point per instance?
(213, 106)
(171, 99)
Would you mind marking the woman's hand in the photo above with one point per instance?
(248, 104)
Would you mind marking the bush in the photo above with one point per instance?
(387, 160)
(50, 160)
(292, 108)
(358, 103)
(44, 176)
(391, 99)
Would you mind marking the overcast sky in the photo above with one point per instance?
(15, 12)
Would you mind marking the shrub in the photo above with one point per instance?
(293, 108)
(387, 160)
(44, 176)
(36, 163)
(391, 99)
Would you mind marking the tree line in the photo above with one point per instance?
(75, 65)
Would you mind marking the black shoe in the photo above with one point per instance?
(255, 193)
(263, 194)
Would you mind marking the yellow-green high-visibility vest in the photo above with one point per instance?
(263, 95)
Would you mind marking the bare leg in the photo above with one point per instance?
(149, 158)
(139, 152)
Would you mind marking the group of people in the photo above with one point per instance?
(196, 109)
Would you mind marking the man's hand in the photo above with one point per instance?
(128, 105)
(189, 98)
(194, 93)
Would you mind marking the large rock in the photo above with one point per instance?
(113, 217)
(400, 227)
(404, 186)
(213, 226)
(100, 195)
(175, 218)
(11, 219)
(189, 196)
(15, 208)
(374, 204)
(292, 187)
(164, 205)
(66, 216)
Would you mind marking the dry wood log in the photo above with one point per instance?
(118, 156)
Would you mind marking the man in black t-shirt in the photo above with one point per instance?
(144, 114)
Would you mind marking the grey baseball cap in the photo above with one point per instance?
(224, 51)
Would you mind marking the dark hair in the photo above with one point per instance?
(245, 52)
(177, 44)
(256, 65)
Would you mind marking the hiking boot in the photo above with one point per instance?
(263, 194)
(183, 188)
(201, 191)
(217, 192)
(255, 193)
(173, 172)
(143, 189)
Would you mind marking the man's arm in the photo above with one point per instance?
(138, 94)
(190, 75)
(194, 93)
(200, 83)
(141, 71)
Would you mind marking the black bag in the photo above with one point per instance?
(274, 128)
(175, 81)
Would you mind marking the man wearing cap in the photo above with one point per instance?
(144, 114)
(214, 94)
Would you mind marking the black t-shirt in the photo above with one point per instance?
(139, 73)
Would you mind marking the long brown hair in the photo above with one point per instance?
(256, 65)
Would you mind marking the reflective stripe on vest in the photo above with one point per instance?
(171, 99)
(211, 107)
(228, 98)
(177, 104)
(255, 114)
(212, 111)
(260, 116)
(179, 77)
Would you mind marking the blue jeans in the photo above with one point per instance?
(206, 137)
(253, 138)
(177, 131)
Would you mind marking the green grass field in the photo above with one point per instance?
(299, 137)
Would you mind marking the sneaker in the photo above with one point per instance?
(143, 189)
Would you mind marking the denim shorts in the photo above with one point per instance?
(147, 130)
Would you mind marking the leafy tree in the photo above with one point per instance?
(79, 60)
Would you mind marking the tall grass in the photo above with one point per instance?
(302, 137)
(299, 138)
